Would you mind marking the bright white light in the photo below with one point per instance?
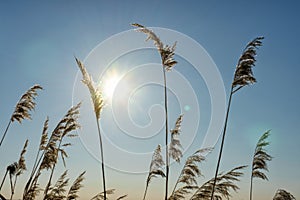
(109, 84)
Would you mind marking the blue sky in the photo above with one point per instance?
(39, 40)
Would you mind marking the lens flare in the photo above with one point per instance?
(109, 83)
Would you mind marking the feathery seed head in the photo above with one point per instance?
(25, 104)
(95, 93)
(166, 52)
(243, 73)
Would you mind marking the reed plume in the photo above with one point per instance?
(175, 147)
(243, 76)
(95, 93)
(23, 108)
(57, 192)
(166, 53)
(188, 175)
(283, 195)
(98, 103)
(156, 166)
(32, 192)
(11, 170)
(77, 184)
(224, 183)
(260, 159)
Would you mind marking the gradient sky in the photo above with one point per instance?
(38, 42)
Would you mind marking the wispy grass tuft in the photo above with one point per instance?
(95, 93)
(156, 168)
(57, 192)
(224, 184)
(50, 150)
(283, 195)
(260, 159)
(175, 147)
(65, 127)
(23, 108)
(73, 192)
(189, 174)
(243, 73)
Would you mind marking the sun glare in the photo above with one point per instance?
(109, 84)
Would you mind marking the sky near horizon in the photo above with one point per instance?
(38, 42)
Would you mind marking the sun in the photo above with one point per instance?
(109, 84)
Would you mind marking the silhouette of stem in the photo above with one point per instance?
(251, 185)
(3, 179)
(222, 143)
(5, 132)
(102, 158)
(167, 132)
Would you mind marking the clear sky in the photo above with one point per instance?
(38, 42)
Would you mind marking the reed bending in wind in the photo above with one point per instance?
(23, 108)
(49, 149)
(166, 53)
(243, 76)
(156, 166)
(225, 183)
(98, 104)
(187, 180)
(260, 159)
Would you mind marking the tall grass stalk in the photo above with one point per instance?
(42, 147)
(155, 168)
(68, 124)
(50, 150)
(260, 159)
(98, 104)
(23, 108)
(243, 76)
(166, 53)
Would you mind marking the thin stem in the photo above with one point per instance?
(11, 184)
(167, 131)
(102, 158)
(251, 185)
(251, 179)
(36, 163)
(5, 132)
(34, 170)
(145, 192)
(174, 188)
(3, 179)
(222, 143)
(14, 187)
(237, 89)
